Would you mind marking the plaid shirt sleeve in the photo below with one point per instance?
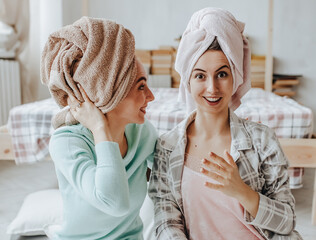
(169, 222)
(275, 215)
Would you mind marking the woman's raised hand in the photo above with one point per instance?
(225, 172)
(88, 114)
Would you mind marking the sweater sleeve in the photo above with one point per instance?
(102, 181)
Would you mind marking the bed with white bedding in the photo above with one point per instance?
(30, 127)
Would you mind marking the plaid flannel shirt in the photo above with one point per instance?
(261, 163)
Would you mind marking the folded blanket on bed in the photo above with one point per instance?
(203, 27)
(97, 53)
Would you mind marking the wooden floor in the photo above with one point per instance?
(303, 207)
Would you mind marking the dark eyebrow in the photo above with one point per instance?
(198, 69)
(222, 67)
(141, 78)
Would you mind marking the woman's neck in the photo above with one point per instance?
(208, 125)
(117, 130)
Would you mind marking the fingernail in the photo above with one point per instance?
(201, 170)
(203, 160)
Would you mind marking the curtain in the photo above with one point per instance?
(33, 21)
(16, 14)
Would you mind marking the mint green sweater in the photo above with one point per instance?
(102, 192)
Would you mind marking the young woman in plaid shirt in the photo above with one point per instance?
(216, 176)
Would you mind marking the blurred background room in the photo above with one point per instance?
(283, 44)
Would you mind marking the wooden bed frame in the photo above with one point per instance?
(300, 152)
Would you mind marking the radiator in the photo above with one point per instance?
(10, 88)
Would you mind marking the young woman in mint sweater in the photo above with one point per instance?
(101, 147)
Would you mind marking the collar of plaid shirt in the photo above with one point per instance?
(240, 137)
(241, 140)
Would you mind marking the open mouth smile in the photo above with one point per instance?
(213, 100)
(143, 110)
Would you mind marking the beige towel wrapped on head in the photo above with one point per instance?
(97, 53)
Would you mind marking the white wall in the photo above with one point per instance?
(294, 46)
(45, 18)
(72, 11)
(159, 22)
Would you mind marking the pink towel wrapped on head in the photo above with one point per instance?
(96, 53)
(203, 27)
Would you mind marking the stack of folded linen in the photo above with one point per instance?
(8, 41)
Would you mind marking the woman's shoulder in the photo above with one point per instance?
(76, 129)
(257, 130)
(251, 128)
(76, 134)
(149, 127)
(263, 138)
(176, 136)
(170, 139)
(146, 129)
(67, 139)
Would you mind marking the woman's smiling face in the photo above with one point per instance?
(211, 82)
(132, 108)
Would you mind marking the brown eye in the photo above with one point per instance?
(199, 76)
(142, 85)
(222, 75)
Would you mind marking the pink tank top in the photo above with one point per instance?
(210, 214)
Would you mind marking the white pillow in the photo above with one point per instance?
(41, 213)
(39, 210)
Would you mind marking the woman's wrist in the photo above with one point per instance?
(97, 129)
(249, 199)
(101, 135)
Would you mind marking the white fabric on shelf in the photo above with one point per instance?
(8, 37)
